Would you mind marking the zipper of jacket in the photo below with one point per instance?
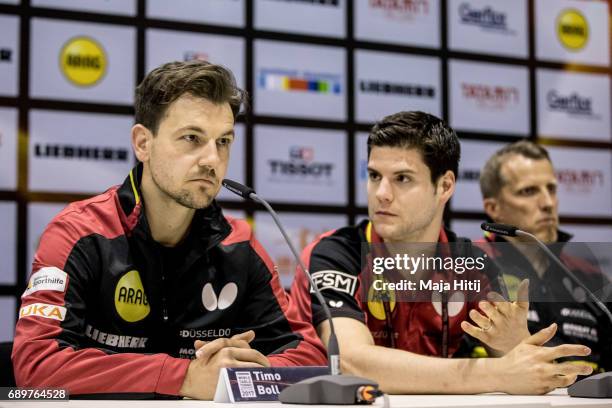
(164, 299)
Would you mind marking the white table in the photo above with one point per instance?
(557, 399)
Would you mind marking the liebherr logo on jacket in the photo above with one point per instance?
(130, 299)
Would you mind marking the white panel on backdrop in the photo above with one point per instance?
(361, 169)
(10, 1)
(584, 181)
(387, 83)
(399, 22)
(306, 81)
(474, 155)
(573, 105)
(39, 215)
(8, 148)
(8, 242)
(7, 318)
(9, 55)
(300, 165)
(589, 233)
(236, 168)
(468, 228)
(302, 229)
(78, 152)
(165, 46)
(82, 61)
(489, 98)
(327, 18)
(241, 215)
(573, 31)
(121, 7)
(216, 12)
(488, 26)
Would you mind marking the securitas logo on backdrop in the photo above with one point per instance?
(61, 151)
(6, 55)
(314, 2)
(572, 29)
(195, 55)
(491, 97)
(486, 18)
(394, 88)
(295, 81)
(401, 9)
(572, 104)
(301, 166)
(580, 181)
(83, 61)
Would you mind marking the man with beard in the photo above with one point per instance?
(124, 283)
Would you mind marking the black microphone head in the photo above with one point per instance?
(501, 229)
(237, 188)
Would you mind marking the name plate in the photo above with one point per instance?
(260, 384)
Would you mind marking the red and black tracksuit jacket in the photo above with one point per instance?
(110, 311)
(554, 297)
(335, 260)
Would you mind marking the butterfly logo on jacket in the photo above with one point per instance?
(225, 299)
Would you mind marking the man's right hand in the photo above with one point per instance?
(530, 368)
(203, 372)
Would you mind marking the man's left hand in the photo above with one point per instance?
(503, 324)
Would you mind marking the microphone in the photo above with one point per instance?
(327, 389)
(598, 386)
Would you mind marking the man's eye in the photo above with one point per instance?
(528, 191)
(191, 138)
(224, 141)
(404, 179)
(374, 176)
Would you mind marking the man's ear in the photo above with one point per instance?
(141, 142)
(491, 208)
(446, 186)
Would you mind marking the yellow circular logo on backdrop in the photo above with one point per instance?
(83, 61)
(130, 299)
(375, 301)
(572, 29)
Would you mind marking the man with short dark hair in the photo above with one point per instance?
(124, 283)
(519, 188)
(412, 165)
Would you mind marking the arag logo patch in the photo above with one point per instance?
(572, 29)
(83, 61)
(130, 298)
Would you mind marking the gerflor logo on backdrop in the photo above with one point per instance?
(486, 18)
(572, 104)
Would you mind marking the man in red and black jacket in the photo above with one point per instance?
(412, 165)
(124, 283)
(519, 188)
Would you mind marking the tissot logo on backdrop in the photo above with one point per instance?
(63, 151)
(5, 54)
(301, 163)
(401, 9)
(296, 81)
(486, 18)
(383, 87)
(83, 61)
(491, 97)
(572, 29)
